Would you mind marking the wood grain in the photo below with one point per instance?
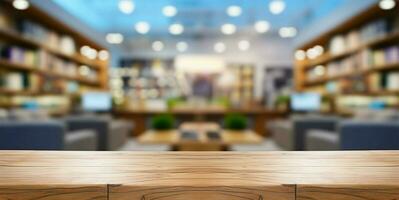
(59, 192)
(122, 192)
(348, 192)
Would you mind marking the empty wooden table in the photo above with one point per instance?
(41, 175)
(177, 140)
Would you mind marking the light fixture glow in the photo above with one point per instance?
(228, 29)
(182, 46)
(85, 50)
(169, 11)
(114, 38)
(103, 55)
(20, 4)
(126, 6)
(262, 26)
(142, 27)
(277, 6)
(158, 46)
(234, 11)
(176, 29)
(288, 32)
(320, 70)
(300, 55)
(387, 4)
(219, 47)
(244, 45)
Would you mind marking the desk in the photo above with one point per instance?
(42, 175)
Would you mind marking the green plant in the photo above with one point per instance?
(282, 99)
(235, 122)
(163, 122)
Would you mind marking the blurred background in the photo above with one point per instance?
(160, 75)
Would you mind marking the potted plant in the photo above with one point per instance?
(235, 122)
(163, 122)
(283, 102)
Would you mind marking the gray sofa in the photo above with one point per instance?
(356, 135)
(44, 135)
(112, 134)
(291, 134)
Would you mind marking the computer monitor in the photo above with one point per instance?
(305, 102)
(96, 101)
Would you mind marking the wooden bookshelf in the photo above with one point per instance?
(13, 37)
(303, 67)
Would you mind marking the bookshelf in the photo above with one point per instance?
(44, 52)
(359, 57)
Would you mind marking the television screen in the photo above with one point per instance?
(96, 101)
(305, 102)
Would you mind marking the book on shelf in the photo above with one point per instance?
(393, 81)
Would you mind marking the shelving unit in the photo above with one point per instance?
(376, 35)
(96, 69)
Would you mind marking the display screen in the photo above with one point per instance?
(305, 102)
(96, 101)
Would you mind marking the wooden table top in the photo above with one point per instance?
(173, 137)
(199, 168)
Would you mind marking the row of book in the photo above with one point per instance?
(362, 61)
(21, 81)
(42, 60)
(384, 81)
(34, 31)
(355, 38)
(379, 57)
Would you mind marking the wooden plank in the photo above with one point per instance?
(348, 192)
(52, 192)
(199, 168)
(125, 192)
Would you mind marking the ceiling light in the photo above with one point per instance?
(244, 45)
(219, 47)
(114, 38)
(157, 46)
(262, 26)
(300, 55)
(176, 29)
(169, 11)
(288, 32)
(20, 4)
(103, 55)
(234, 11)
(126, 6)
(142, 27)
(387, 4)
(228, 29)
(277, 6)
(182, 46)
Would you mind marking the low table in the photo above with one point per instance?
(201, 142)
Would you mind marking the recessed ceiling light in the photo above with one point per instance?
(228, 29)
(158, 46)
(244, 45)
(169, 11)
(182, 46)
(176, 29)
(114, 38)
(262, 26)
(288, 32)
(142, 27)
(277, 6)
(20, 4)
(234, 11)
(103, 55)
(300, 55)
(219, 47)
(126, 6)
(387, 4)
